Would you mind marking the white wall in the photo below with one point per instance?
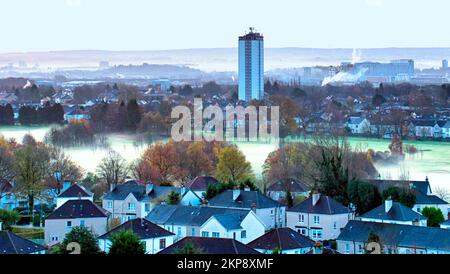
(152, 246)
(58, 228)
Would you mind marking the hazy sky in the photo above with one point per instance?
(30, 25)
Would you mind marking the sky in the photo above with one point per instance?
(49, 25)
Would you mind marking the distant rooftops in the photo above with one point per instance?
(393, 211)
(243, 199)
(289, 184)
(201, 183)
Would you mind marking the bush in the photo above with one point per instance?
(434, 216)
(84, 237)
(126, 242)
(8, 218)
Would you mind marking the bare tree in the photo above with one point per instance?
(113, 168)
(442, 193)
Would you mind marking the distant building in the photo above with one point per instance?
(279, 189)
(161, 85)
(251, 66)
(103, 64)
(444, 64)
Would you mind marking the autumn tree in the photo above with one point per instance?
(113, 168)
(233, 166)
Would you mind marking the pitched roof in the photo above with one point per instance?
(398, 212)
(246, 199)
(141, 227)
(11, 243)
(230, 221)
(325, 205)
(289, 184)
(355, 120)
(138, 190)
(193, 215)
(78, 209)
(428, 122)
(382, 185)
(397, 235)
(5, 186)
(201, 182)
(284, 238)
(75, 190)
(422, 199)
(212, 246)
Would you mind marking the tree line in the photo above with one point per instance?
(6, 115)
(47, 114)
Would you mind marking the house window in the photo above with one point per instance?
(82, 224)
(147, 207)
(301, 218)
(316, 234)
(302, 231)
(110, 204)
(347, 248)
(179, 231)
(205, 234)
(418, 209)
(243, 234)
(55, 238)
(335, 225)
(131, 206)
(162, 243)
(316, 220)
(69, 224)
(215, 234)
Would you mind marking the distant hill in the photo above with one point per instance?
(219, 59)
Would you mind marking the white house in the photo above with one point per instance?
(319, 217)
(358, 125)
(74, 192)
(394, 213)
(446, 130)
(284, 240)
(134, 200)
(187, 221)
(75, 213)
(233, 225)
(272, 213)
(280, 188)
(154, 237)
(395, 238)
(446, 224)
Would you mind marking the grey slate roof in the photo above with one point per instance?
(382, 185)
(230, 221)
(11, 243)
(73, 209)
(212, 246)
(121, 191)
(398, 235)
(398, 212)
(246, 199)
(289, 184)
(143, 228)
(424, 199)
(193, 216)
(284, 238)
(325, 205)
(75, 190)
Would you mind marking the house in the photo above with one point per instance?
(285, 240)
(394, 238)
(272, 213)
(428, 127)
(358, 125)
(421, 190)
(394, 213)
(210, 246)
(77, 115)
(74, 192)
(279, 189)
(11, 243)
(134, 200)
(383, 128)
(154, 237)
(185, 221)
(319, 217)
(8, 198)
(75, 213)
(446, 130)
(200, 184)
